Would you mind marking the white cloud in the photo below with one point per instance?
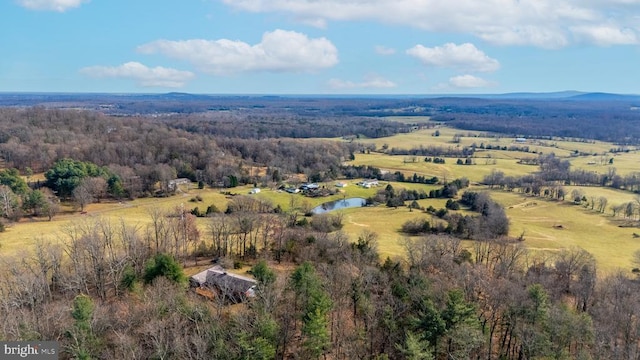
(279, 51)
(51, 5)
(541, 23)
(469, 81)
(605, 35)
(465, 56)
(144, 76)
(370, 82)
(383, 50)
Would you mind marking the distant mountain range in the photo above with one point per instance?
(178, 102)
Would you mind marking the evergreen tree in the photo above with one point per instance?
(315, 308)
(163, 265)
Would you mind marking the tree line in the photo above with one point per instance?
(494, 300)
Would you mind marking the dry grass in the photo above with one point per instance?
(552, 225)
(547, 225)
(448, 171)
(24, 234)
(386, 222)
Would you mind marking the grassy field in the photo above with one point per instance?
(449, 170)
(24, 234)
(552, 225)
(547, 225)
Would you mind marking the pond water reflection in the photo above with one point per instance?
(339, 204)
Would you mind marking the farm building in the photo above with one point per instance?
(368, 183)
(312, 186)
(173, 184)
(233, 286)
(254, 191)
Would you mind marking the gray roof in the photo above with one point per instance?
(219, 278)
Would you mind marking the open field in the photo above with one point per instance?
(24, 234)
(552, 225)
(624, 163)
(136, 213)
(547, 225)
(560, 147)
(614, 197)
(449, 170)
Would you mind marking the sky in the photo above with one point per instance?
(332, 47)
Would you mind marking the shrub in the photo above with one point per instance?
(416, 227)
(128, 279)
(212, 209)
(163, 265)
(452, 205)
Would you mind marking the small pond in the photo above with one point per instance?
(339, 204)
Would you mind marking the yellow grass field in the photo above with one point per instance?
(448, 171)
(426, 138)
(547, 225)
(136, 213)
(552, 225)
(24, 234)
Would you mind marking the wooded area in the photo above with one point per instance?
(114, 290)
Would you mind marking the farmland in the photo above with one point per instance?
(546, 225)
(462, 221)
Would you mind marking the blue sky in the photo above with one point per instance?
(320, 46)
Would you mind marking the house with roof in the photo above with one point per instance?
(222, 283)
(309, 187)
(368, 183)
(175, 183)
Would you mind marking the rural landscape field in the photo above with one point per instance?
(320, 180)
(366, 235)
(547, 225)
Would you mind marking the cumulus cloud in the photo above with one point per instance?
(51, 5)
(605, 35)
(370, 82)
(144, 76)
(468, 81)
(542, 23)
(383, 50)
(465, 56)
(279, 51)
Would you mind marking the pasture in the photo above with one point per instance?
(447, 171)
(550, 225)
(547, 225)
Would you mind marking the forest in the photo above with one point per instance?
(462, 289)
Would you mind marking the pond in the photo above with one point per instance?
(339, 204)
